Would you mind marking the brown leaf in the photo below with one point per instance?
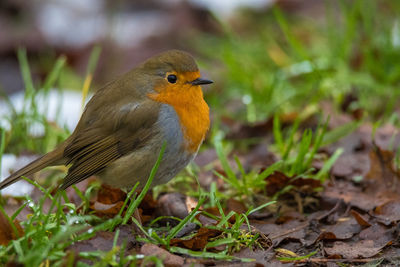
(110, 195)
(360, 219)
(387, 136)
(106, 210)
(288, 216)
(197, 242)
(108, 202)
(293, 229)
(388, 212)
(236, 206)
(168, 259)
(382, 174)
(327, 236)
(278, 180)
(265, 257)
(360, 249)
(306, 185)
(351, 165)
(380, 234)
(7, 232)
(391, 254)
(354, 196)
(345, 228)
(148, 207)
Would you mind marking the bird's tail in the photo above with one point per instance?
(52, 158)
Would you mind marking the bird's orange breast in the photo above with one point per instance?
(192, 110)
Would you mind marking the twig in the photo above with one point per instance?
(324, 260)
(304, 225)
(329, 212)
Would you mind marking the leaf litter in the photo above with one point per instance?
(350, 220)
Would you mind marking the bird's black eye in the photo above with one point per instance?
(172, 78)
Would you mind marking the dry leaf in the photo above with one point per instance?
(167, 258)
(197, 242)
(7, 233)
(361, 249)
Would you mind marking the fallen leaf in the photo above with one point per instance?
(326, 236)
(106, 210)
(351, 165)
(278, 180)
(388, 213)
(380, 234)
(392, 255)
(382, 175)
(148, 207)
(351, 195)
(198, 241)
(7, 232)
(293, 229)
(110, 195)
(236, 206)
(345, 228)
(360, 219)
(290, 215)
(262, 257)
(387, 136)
(168, 259)
(360, 249)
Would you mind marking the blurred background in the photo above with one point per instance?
(264, 54)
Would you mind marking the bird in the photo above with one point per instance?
(125, 124)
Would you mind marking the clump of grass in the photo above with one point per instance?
(298, 154)
(233, 236)
(241, 184)
(28, 128)
(296, 151)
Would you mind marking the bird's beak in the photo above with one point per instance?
(200, 81)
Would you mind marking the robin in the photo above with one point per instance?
(125, 124)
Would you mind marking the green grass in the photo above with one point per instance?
(281, 63)
(47, 235)
(32, 117)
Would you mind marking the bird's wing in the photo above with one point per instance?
(100, 140)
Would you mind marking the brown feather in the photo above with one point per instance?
(89, 153)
